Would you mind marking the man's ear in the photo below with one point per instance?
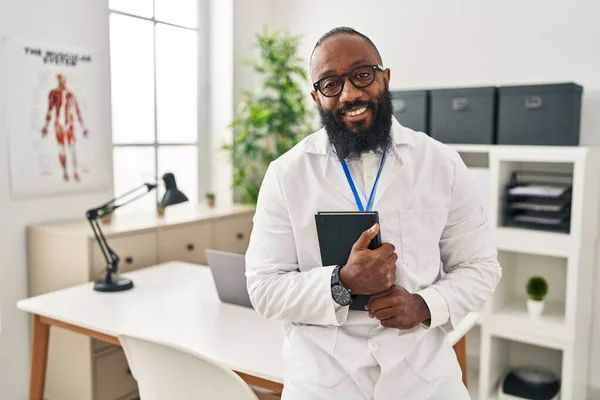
(315, 97)
(386, 76)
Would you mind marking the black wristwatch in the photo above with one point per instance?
(339, 292)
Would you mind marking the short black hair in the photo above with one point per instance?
(340, 30)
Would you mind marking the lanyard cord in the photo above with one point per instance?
(353, 187)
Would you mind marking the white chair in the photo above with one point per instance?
(165, 371)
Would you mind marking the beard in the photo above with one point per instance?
(377, 137)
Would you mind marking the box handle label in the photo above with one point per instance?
(533, 102)
(399, 105)
(460, 104)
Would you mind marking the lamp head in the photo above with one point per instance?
(172, 194)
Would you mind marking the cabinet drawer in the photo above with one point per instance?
(185, 243)
(136, 251)
(233, 234)
(113, 378)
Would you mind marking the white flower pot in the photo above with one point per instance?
(535, 307)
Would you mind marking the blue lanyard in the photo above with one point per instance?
(353, 187)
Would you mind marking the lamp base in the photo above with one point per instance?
(110, 284)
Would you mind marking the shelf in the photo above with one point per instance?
(513, 322)
(559, 154)
(472, 148)
(534, 242)
(506, 355)
(552, 154)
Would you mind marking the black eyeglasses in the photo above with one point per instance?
(361, 77)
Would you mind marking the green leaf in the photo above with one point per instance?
(537, 288)
(272, 118)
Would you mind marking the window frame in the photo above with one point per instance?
(201, 139)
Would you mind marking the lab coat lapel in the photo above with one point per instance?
(388, 175)
(395, 160)
(336, 179)
(333, 174)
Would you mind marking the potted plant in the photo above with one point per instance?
(537, 289)
(210, 199)
(271, 119)
(106, 216)
(160, 211)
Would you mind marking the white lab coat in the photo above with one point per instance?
(430, 211)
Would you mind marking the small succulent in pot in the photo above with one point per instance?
(537, 289)
(210, 199)
(160, 211)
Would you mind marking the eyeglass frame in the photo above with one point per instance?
(374, 67)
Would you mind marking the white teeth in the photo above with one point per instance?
(357, 112)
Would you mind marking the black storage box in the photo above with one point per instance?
(465, 115)
(411, 108)
(546, 115)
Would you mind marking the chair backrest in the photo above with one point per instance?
(164, 371)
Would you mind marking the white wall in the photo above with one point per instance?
(466, 43)
(221, 65)
(77, 22)
(249, 19)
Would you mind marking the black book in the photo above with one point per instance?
(337, 232)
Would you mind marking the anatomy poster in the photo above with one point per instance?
(56, 118)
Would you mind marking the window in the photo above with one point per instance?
(154, 62)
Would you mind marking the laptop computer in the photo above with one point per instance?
(229, 273)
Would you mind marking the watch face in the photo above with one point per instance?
(340, 295)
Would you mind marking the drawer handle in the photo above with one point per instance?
(533, 102)
(239, 236)
(190, 246)
(460, 104)
(129, 260)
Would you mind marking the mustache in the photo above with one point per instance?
(356, 104)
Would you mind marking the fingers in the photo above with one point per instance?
(393, 258)
(365, 238)
(381, 303)
(391, 323)
(383, 314)
(386, 250)
(377, 296)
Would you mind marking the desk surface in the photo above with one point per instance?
(178, 303)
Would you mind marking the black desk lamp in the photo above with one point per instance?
(109, 283)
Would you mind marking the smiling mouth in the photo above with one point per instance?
(354, 113)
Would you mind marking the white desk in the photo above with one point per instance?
(178, 303)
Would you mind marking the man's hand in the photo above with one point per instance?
(369, 271)
(396, 308)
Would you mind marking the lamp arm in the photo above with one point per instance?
(149, 188)
(111, 258)
(93, 214)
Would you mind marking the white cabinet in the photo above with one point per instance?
(233, 234)
(186, 243)
(64, 254)
(559, 339)
(135, 251)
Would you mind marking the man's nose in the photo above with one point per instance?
(350, 92)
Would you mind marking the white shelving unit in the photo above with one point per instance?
(507, 337)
